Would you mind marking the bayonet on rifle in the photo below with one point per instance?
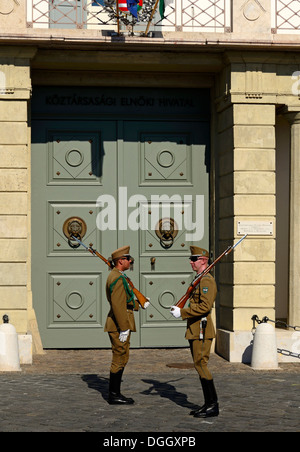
(196, 281)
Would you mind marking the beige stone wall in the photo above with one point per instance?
(12, 15)
(246, 186)
(251, 17)
(15, 88)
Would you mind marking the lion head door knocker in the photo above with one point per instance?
(166, 230)
(76, 227)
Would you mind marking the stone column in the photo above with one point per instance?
(246, 195)
(294, 272)
(15, 258)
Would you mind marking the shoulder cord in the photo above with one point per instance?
(128, 290)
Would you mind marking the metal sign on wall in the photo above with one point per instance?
(120, 101)
(255, 227)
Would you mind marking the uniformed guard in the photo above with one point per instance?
(120, 322)
(200, 330)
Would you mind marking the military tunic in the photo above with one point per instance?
(200, 305)
(120, 317)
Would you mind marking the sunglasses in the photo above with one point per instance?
(128, 257)
(196, 258)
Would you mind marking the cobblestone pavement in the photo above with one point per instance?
(66, 391)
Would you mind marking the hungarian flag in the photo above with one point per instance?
(162, 6)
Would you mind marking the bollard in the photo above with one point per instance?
(9, 347)
(264, 352)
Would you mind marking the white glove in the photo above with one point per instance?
(147, 303)
(175, 311)
(124, 335)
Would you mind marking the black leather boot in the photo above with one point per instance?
(206, 398)
(211, 406)
(115, 397)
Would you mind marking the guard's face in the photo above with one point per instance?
(198, 265)
(126, 261)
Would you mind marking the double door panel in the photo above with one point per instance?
(84, 169)
(69, 160)
(166, 174)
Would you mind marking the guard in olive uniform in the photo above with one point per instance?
(200, 330)
(120, 322)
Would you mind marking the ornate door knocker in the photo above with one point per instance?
(166, 230)
(74, 226)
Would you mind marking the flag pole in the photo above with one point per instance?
(151, 17)
(118, 19)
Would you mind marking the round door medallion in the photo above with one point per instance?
(74, 157)
(165, 158)
(166, 299)
(74, 300)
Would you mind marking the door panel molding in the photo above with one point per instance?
(73, 300)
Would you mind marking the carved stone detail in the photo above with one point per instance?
(7, 6)
(252, 10)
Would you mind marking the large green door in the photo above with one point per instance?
(165, 164)
(123, 181)
(69, 161)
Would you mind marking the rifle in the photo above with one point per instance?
(139, 296)
(196, 281)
